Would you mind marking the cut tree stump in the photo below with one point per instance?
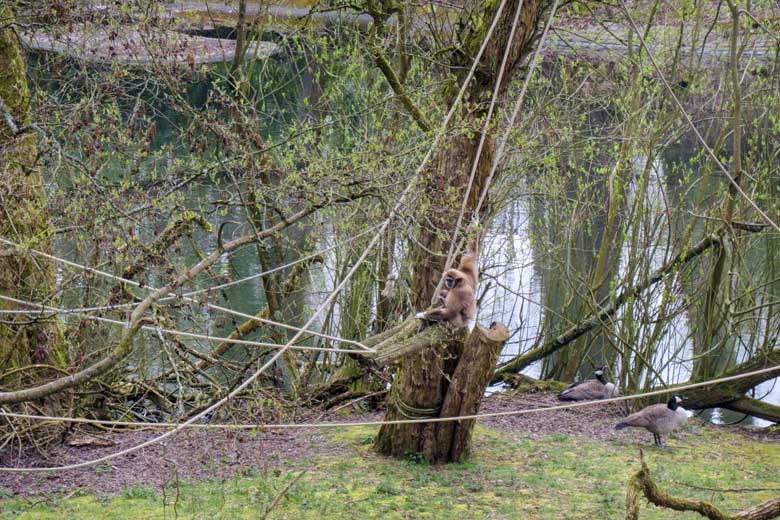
(447, 378)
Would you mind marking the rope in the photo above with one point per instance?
(54, 311)
(440, 133)
(287, 426)
(411, 412)
(175, 296)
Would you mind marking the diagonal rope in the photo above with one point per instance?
(440, 133)
(175, 296)
(54, 311)
(693, 128)
(117, 306)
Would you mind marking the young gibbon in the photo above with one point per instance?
(457, 294)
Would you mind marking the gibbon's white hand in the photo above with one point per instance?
(420, 315)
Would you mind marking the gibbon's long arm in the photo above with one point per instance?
(440, 314)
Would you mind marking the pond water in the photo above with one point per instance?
(518, 285)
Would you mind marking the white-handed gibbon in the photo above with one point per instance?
(459, 304)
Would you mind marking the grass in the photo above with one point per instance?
(509, 476)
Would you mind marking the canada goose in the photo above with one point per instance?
(591, 389)
(657, 418)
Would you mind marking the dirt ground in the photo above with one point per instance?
(200, 454)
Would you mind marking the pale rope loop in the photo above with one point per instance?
(53, 311)
(183, 298)
(327, 301)
(285, 426)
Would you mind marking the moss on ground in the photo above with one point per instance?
(509, 476)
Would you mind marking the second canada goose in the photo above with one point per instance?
(591, 389)
(657, 418)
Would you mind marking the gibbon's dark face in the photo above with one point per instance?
(450, 282)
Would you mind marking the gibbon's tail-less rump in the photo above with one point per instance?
(591, 389)
(459, 304)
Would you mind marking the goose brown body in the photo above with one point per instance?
(658, 419)
(590, 390)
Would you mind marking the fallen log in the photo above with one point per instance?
(608, 309)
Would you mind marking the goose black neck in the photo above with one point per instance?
(601, 379)
(673, 404)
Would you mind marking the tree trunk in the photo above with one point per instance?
(423, 382)
(418, 393)
(23, 219)
(465, 393)
(435, 396)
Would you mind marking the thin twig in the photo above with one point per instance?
(281, 494)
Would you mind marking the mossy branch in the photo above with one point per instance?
(642, 483)
(518, 363)
(180, 226)
(381, 61)
(384, 66)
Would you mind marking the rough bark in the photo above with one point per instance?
(23, 218)
(466, 390)
(421, 386)
(468, 364)
(642, 483)
(391, 347)
(418, 392)
(30, 350)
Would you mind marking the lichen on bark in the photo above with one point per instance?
(23, 220)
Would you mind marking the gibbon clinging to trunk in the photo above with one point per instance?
(457, 294)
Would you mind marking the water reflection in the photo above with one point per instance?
(524, 284)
